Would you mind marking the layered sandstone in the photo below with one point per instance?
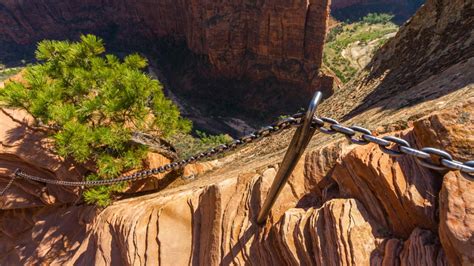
(343, 205)
(435, 48)
(239, 39)
(223, 60)
(381, 215)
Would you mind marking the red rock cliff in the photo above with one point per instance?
(343, 205)
(253, 39)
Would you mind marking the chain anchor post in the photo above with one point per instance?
(297, 146)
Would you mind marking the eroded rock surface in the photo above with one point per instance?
(379, 210)
(343, 205)
(255, 39)
(456, 228)
(24, 146)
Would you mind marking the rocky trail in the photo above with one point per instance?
(344, 204)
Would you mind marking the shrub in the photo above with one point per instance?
(187, 145)
(334, 32)
(8, 72)
(377, 18)
(94, 102)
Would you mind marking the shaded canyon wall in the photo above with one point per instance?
(253, 39)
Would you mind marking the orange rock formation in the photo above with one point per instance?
(343, 205)
(253, 39)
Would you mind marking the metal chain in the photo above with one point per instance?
(294, 120)
(428, 157)
(8, 185)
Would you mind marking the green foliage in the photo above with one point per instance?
(362, 33)
(377, 18)
(187, 145)
(95, 102)
(338, 29)
(5, 72)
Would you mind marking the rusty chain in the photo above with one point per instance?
(428, 157)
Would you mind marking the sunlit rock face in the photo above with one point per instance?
(343, 204)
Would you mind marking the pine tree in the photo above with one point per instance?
(94, 102)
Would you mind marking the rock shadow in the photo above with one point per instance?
(421, 63)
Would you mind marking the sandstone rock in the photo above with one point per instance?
(451, 130)
(363, 207)
(422, 248)
(319, 166)
(341, 232)
(155, 182)
(398, 192)
(404, 74)
(195, 169)
(208, 53)
(201, 226)
(281, 39)
(456, 228)
(24, 146)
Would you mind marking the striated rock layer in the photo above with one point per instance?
(343, 205)
(252, 39)
(431, 55)
(369, 218)
(223, 60)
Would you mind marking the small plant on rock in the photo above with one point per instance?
(93, 103)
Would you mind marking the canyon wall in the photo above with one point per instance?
(436, 41)
(223, 60)
(239, 39)
(343, 205)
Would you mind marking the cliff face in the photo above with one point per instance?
(254, 39)
(343, 205)
(436, 46)
(251, 60)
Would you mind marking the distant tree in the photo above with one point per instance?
(377, 18)
(94, 102)
(338, 29)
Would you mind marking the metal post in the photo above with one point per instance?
(297, 146)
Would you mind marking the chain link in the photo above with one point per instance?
(428, 157)
(277, 127)
(8, 185)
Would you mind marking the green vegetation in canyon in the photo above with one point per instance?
(5, 72)
(186, 145)
(349, 46)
